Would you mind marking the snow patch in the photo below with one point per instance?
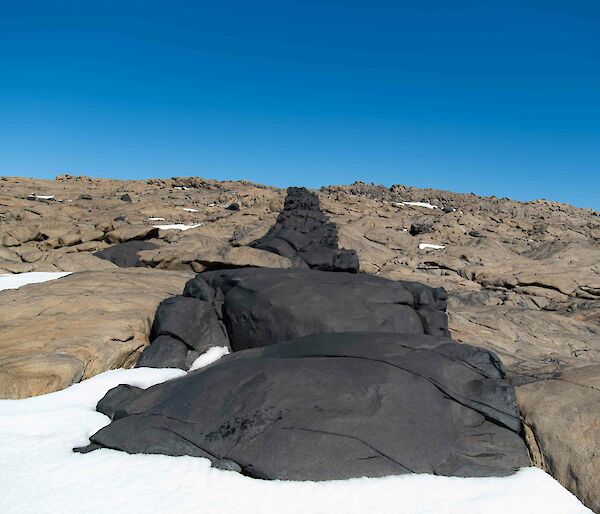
(426, 205)
(189, 209)
(41, 197)
(177, 226)
(213, 354)
(33, 277)
(156, 219)
(431, 246)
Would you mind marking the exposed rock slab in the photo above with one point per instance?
(562, 422)
(198, 252)
(263, 307)
(303, 234)
(126, 255)
(57, 333)
(331, 406)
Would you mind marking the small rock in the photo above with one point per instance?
(420, 228)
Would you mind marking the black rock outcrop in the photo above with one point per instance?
(331, 406)
(267, 306)
(334, 375)
(303, 234)
(125, 255)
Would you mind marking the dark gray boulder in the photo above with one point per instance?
(420, 228)
(164, 352)
(125, 255)
(267, 306)
(333, 406)
(193, 322)
(113, 402)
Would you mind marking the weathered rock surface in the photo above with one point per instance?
(126, 255)
(198, 252)
(522, 277)
(331, 406)
(57, 333)
(262, 307)
(376, 387)
(303, 234)
(562, 425)
(245, 308)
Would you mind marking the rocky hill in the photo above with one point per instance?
(523, 280)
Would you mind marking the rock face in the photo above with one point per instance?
(126, 255)
(303, 235)
(331, 406)
(262, 307)
(245, 308)
(522, 277)
(375, 387)
(562, 424)
(57, 333)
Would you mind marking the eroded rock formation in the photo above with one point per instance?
(375, 387)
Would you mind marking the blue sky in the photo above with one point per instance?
(491, 97)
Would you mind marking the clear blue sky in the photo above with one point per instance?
(488, 97)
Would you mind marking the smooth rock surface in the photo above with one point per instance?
(333, 406)
(562, 425)
(126, 255)
(57, 333)
(263, 307)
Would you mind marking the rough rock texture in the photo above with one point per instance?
(304, 235)
(376, 387)
(562, 425)
(331, 406)
(86, 215)
(522, 277)
(57, 333)
(200, 252)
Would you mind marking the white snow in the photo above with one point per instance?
(211, 355)
(41, 197)
(427, 205)
(431, 246)
(189, 209)
(177, 226)
(33, 277)
(40, 474)
(156, 219)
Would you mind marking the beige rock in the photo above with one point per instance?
(82, 261)
(530, 343)
(16, 267)
(132, 232)
(7, 254)
(32, 254)
(56, 333)
(562, 421)
(562, 282)
(198, 252)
